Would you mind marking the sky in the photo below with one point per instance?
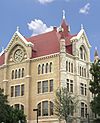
(37, 16)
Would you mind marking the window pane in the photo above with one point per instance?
(39, 69)
(17, 106)
(71, 86)
(39, 87)
(46, 68)
(12, 91)
(17, 90)
(45, 108)
(39, 109)
(22, 90)
(22, 108)
(82, 109)
(51, 85)
(42, 68)
(51, 108)
(45, 86)
(13, 74)
(22, 72)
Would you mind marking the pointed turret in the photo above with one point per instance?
(65, 26)
(96, 56)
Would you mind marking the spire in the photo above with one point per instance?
(96, 56)
(64, 15)
(96, 52)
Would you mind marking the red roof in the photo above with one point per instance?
(48, 43)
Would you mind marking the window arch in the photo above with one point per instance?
(50, 67)
(42, 68)
(19, 73)
(82, 53)
(15, 74)
(12, 74)
(22, 72)
(83, 109)
(45, 108)
(46, 68)
(39, 69)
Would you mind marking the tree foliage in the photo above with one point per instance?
(64, 105)
(95, 87)
(7, 113)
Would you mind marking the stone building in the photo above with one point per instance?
(31, 69)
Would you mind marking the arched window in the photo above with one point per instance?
(71, 67)
(46, 68)
(66, 65)
(12, 74)
(81, 52)
(83, 109)
(39, 109)
(19, 73)
(22, 72)
(39, 69)
(80, 70)
(22, 108)
(50, 67)
(15, 74)
(42, 68)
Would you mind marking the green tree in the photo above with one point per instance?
(7, 113)
(65, 105)
(95, 87)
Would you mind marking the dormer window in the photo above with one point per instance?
(82, 53)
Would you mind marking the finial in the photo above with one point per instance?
(2, 48)
(63, 14)
(18, 28)
(82, 26)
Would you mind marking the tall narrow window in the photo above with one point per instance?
(46, 68)
(12, 74)
(81, 52)
(22, 72)
(66, 65)
(45, 108)
(85, 90)
(51, 85)
(45, 86)
(51, 108)
(39, 69)
(15, 74)
(68, 85)
(50, 67)
(22, 90)
(71, 86)
(19, 73)
(42, 68)
(71, 67)
(86, 110)
(39, 87)
(80, 70)
(12, 91)
(17, 90)
(39, 109)
(84, 72)
(82, 109)
(82, 89)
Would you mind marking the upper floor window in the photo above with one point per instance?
(70, 85)
(83, 89)
(82, 53)
(45, 86)
(19, 107)
(45, 68)
(39, 68)
(18, 73)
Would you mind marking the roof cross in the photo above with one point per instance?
(64, 14)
